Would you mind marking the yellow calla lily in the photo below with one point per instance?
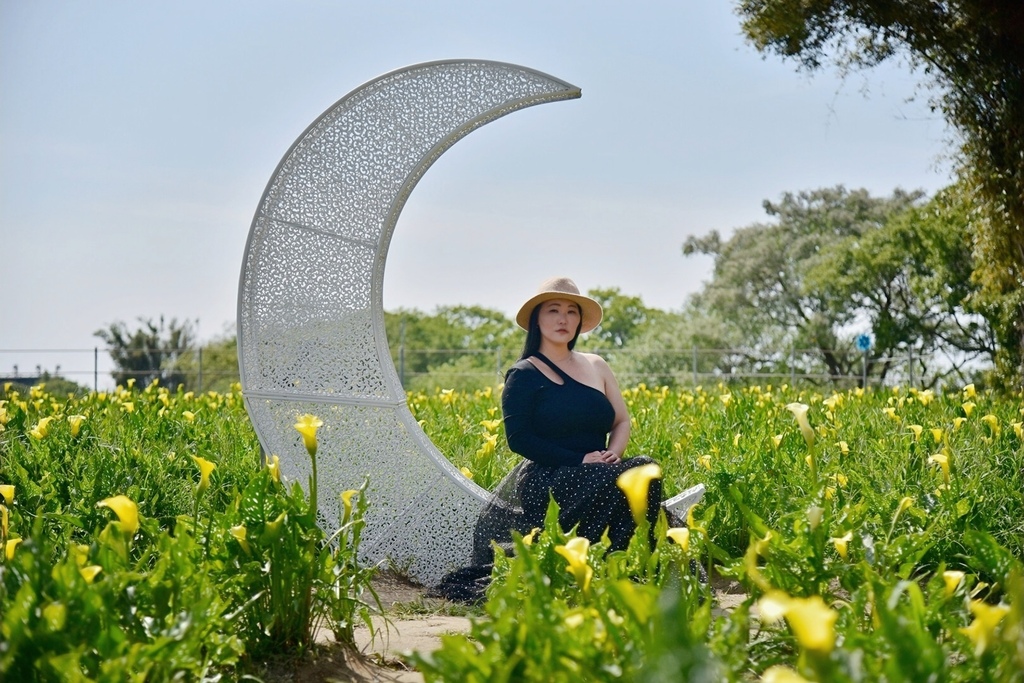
(942, 460)
(89, 573)
(993, 424)
(952, 579)
(842, 544)
(7, 491)
(41, 428)
(240, 534)
(635, 483)
(274, 466)
(781, 674)
(272, 530)
(575, 553)
(799, 411)
(680, 536)
(814, 514)
(306, 426)
(80, 553)
(986, 619)
(9, 548)
(205, 468)
(346, 500)
(126, 510)
(810, 619)
(490, 443)
(76, 423)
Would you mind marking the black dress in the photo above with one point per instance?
(552, 425)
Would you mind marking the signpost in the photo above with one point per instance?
(864, 346)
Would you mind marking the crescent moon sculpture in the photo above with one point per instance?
(311, 333)
(311, 336)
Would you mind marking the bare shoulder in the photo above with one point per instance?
(599, 364)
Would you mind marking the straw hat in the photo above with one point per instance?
(561, 288)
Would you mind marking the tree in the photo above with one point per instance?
(971, 54)
(909, 281)
(623, 317)
(150, 352)
(456, 347)
(783, 285)
(672, 347)
(212, 366)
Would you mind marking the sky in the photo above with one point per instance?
(136, 140)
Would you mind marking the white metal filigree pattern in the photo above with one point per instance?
(310, 303)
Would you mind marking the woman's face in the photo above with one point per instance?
(558, 320)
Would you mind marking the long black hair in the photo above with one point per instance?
(533, 337)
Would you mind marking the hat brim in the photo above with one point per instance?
(590, 310)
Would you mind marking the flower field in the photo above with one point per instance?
(878, 535)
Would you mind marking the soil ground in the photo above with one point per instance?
(413, 622)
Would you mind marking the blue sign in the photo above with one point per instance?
(864, 342)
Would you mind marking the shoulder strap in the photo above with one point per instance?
(559, 371)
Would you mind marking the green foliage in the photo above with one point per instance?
(642, 615)
(458, 347)
(624, 316)
(893, 525)
(210, 565)
(672, 348)
(149, 352)
(212, 366)
(54, 384)
(910, 279)
(874, 448)
(971, 55)
(562, 610)
(835, 261)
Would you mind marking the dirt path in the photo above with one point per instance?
(414, 623)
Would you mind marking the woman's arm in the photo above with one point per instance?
(517, 400)
(618, 438)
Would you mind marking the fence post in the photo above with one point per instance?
(95, 369)
(910, 362)
(200, 369)
(694, 366)
(792, 367)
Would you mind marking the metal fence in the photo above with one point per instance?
(95, 368)
(680, 366)
(692, 365)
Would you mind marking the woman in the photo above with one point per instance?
(564, 413)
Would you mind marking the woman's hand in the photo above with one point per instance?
(609, 457)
